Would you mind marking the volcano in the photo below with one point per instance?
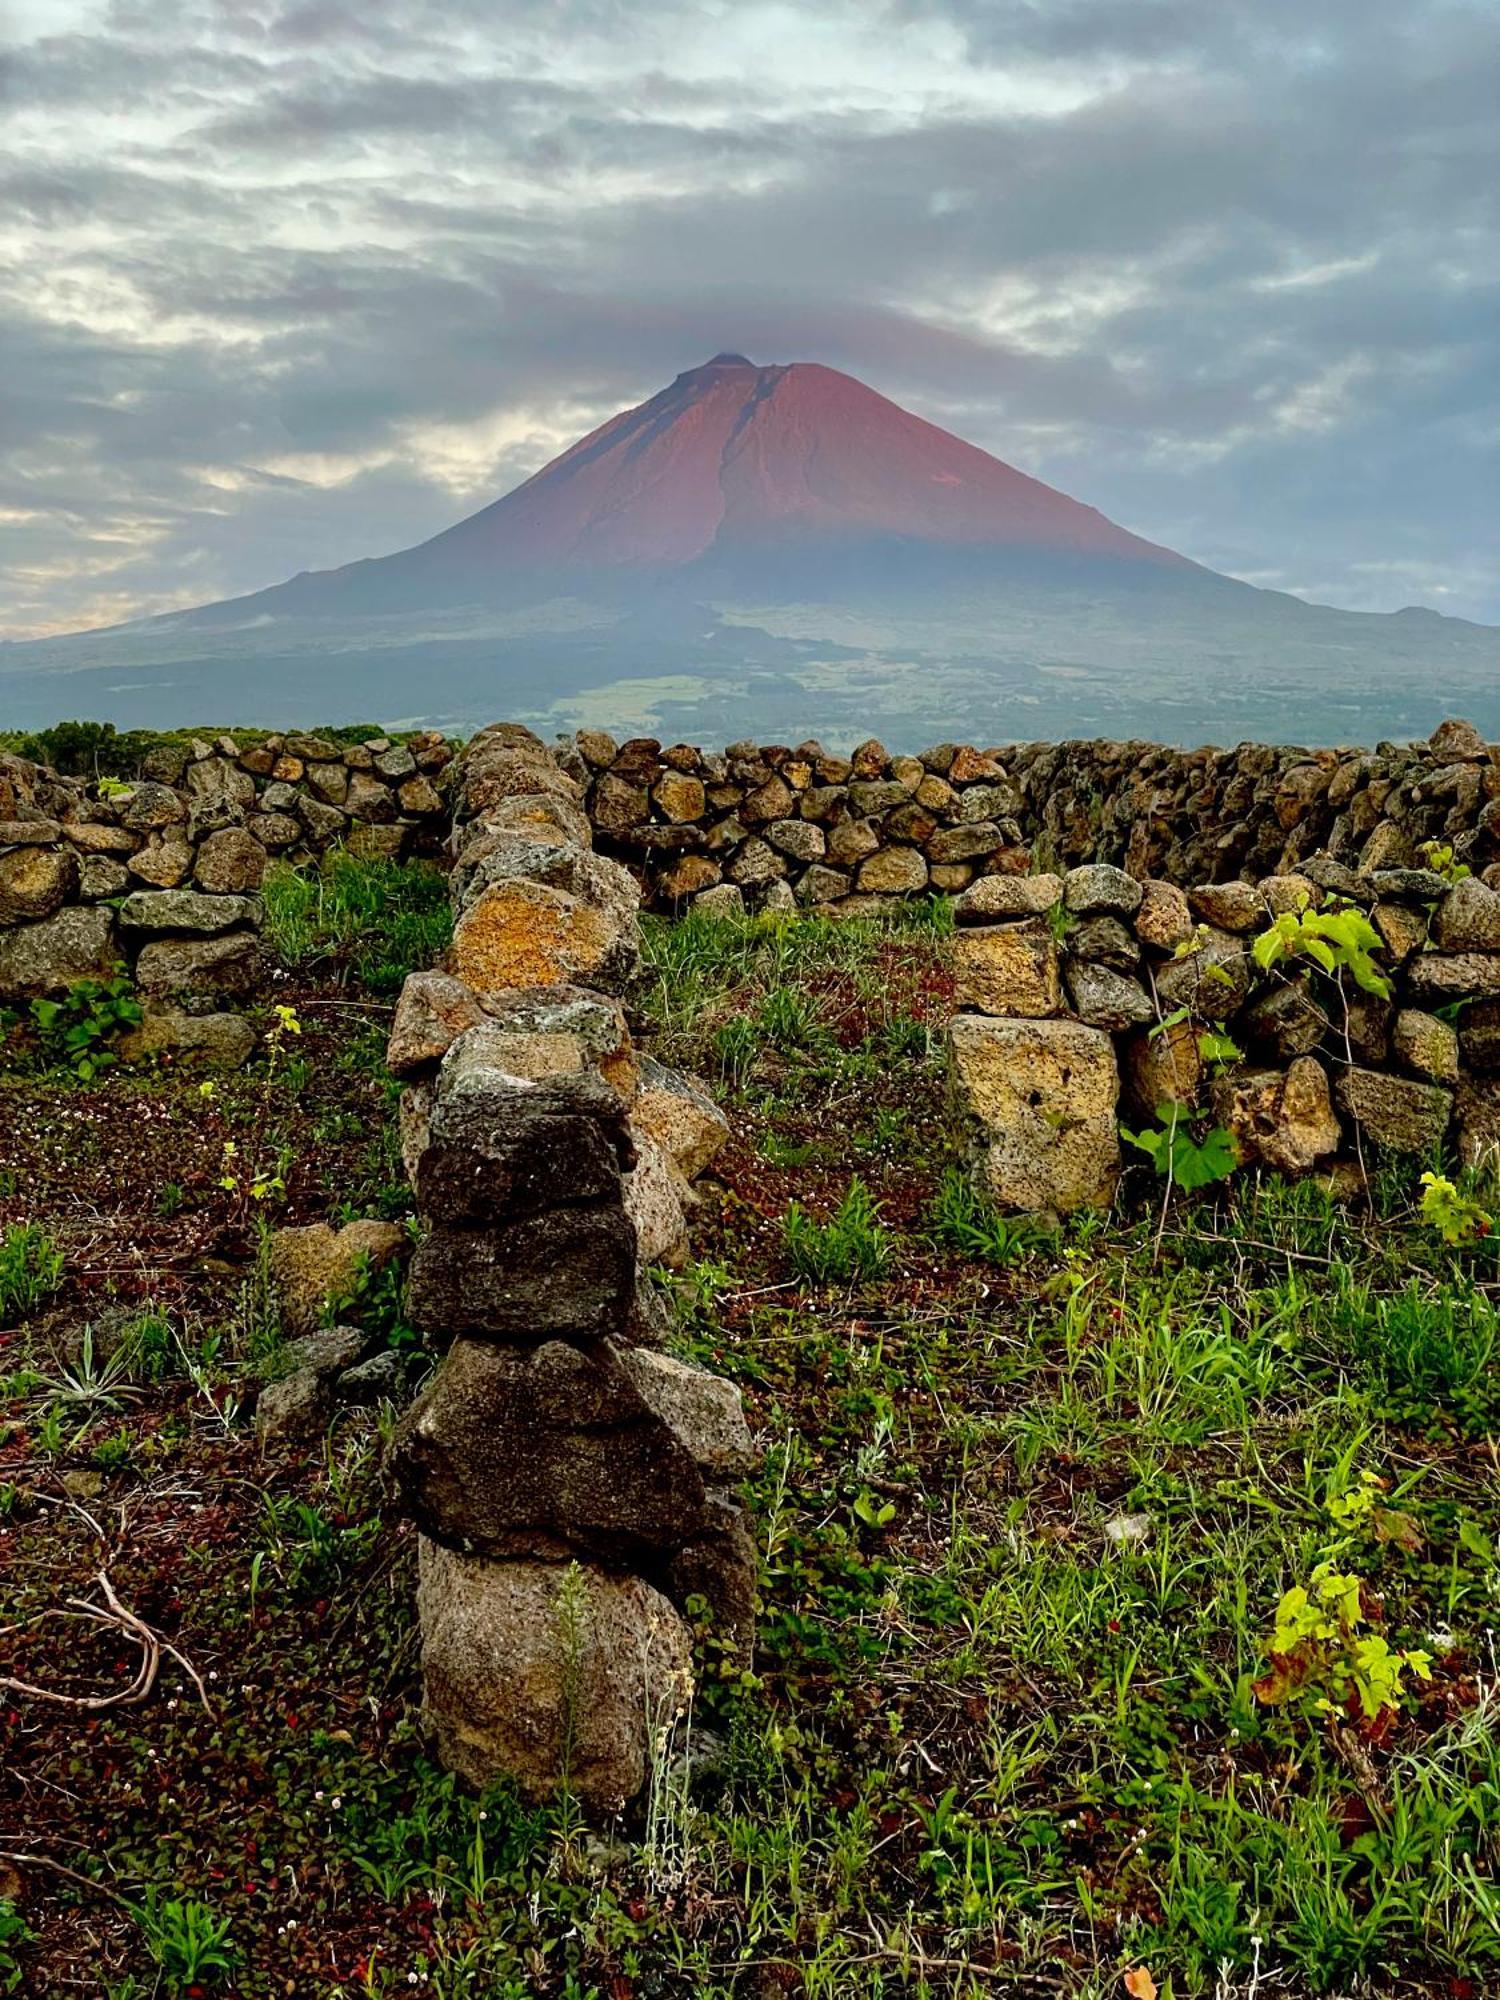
(780, 550)
(732, 456)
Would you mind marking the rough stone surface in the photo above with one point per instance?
(1163, 1068)
(1468, 918)
(179, 967)
(894, 871)
(221, 1040)
(507, 1448)
(1107, 999)
(1426, 1046)
(188, 911)
(1402, 1115)
(1008, 968)
(1100, 890)
(655, 1201)
(1039, 1097)
(315, 1266)
(519, 1664)
(677, 1112)
(1164, 918)
(704, 1412)
(432, 1011)
(995, 896)
(501, 1146)
(48, 957)
(1282, 1119)
(35, 882)
(568, 1272)
(230, 862)
(524, 933)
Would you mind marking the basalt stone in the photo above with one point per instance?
(1039, 1101)
(569, 1272)
(547, 1031)
(316, 1268)
(368, 799)
(893, 871)
(995, 896)
(1468, 918)
(99, 877)
(432, 1011)
(507, 1445)
(43, 958)
(1408, 885)
(678, 1112)
(871, 799)
(323, 822)
(372, 842)
(148, 808)
(720, 1569)
(1214, 980)
(522, 933)
(1426, 1046)
(230, 862)
(395, 765)
(219, 1041)
(723, 900)
(1104, 941)
(91, 837)
(188, 911)
(597, 747)
(329, 782)
(1402, 930)
(1283, 1119)
(1162, 1067)
(797, 837)
(1108, 999)
(680, 797)
(822, 885)
(656, 1203)
(756, 865)
(618, 805)
(35, 882)
(1479, 1036)
(1396, 1112)
(1101, 890)
(311, 749)
(910, 823)
(184, 967)
(1008, 969)
(164, 861)
(774, 800)
(969, 842)
(541, 1678)
(1236, 907)
(1287, 1019)
(686, 877)
(851, 841)
(419, 797)
(1439, 977)
(501, 1146)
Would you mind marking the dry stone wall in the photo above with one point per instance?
(1092, 996)
(776, 825)
(163, 875)
(573, 1484)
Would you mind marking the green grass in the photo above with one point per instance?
(380, 919)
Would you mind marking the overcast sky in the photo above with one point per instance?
(288, 282)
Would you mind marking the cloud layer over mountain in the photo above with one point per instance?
(287, 284)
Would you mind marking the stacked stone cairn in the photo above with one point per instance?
(772, 826)
(1093, 995)
(162, 876)
(572, 1483)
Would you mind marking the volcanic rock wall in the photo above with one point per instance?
(162, 876)
(773, 825)
(571, 1481)
(1093, 995)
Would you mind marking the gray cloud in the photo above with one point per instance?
(287, 284)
